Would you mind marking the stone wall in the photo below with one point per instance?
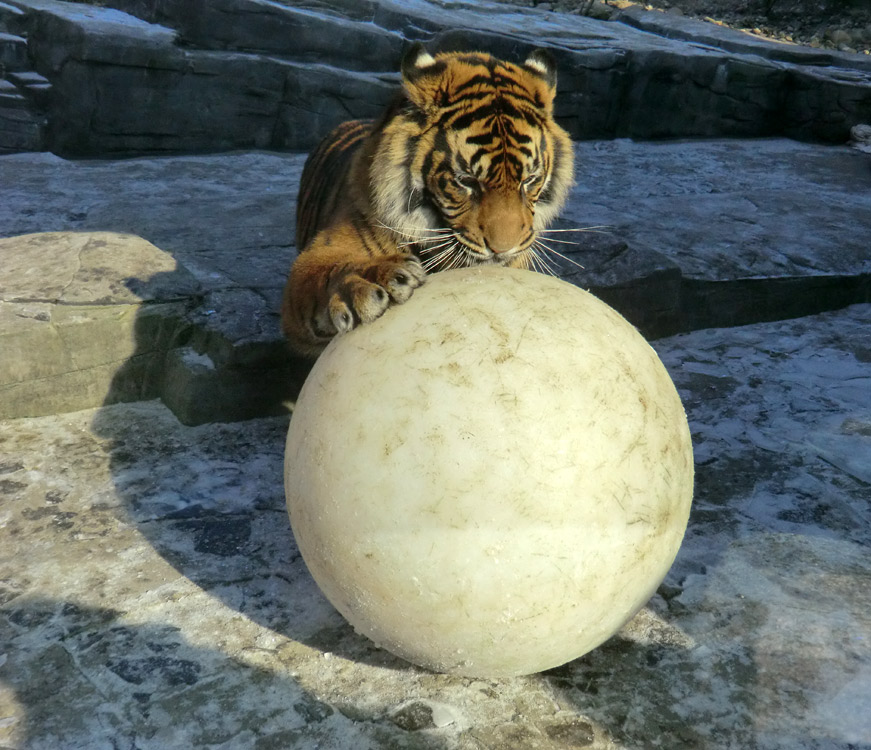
(158, 76)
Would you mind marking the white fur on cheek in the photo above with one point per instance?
(392, 206)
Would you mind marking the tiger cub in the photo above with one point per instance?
(463, 168)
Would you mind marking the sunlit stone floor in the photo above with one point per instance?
(152, 595)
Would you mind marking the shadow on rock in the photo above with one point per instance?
(96, 674)
(209, 355)
(644, 692)
(210, 498)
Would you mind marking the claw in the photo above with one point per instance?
(341, 315)
(362, 293)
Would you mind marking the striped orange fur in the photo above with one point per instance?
(465, 167)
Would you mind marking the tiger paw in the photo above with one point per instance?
(361, 292)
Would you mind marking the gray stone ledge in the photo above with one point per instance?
(181, 76)
(690, 235)
(692, 30)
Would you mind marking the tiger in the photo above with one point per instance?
(465, 167)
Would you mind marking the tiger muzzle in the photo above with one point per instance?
(504, 220)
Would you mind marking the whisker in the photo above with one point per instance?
(466, 257)
(543, 246)
(563, 242)
(601, 228)
(435, 260)
(535, 261)
(411, 239)
(459, 257)
(444, 259)
(530, 257)
(444, 239)
(443, 243)
(527, 259)
(419, 231)
(545, 264)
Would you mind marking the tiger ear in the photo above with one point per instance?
(542, 65)
(421, 76)
(415, 61)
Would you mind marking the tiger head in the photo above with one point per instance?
(473, 165)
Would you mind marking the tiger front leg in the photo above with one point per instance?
(333, 288)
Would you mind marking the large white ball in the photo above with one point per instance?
(492, 478)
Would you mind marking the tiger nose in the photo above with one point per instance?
(499, 242)
(502, 223)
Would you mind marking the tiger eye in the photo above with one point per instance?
(467, 181)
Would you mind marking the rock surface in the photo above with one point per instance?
(153, 596)
(695, 234)
(182, 75)
(74, 332)
(214, 321)
(23, 92)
